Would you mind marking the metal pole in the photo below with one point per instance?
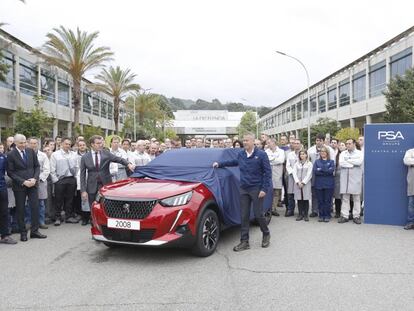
(308, 90)
(135, 122)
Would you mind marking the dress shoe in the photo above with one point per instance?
(71, 220)
(23, 237)
(275, 213)
(85, 222)
(244, 245)
(37, 235)
(342, 220)
(357, 220)
(409, 227)
(313, 214)
(290, 214)
(43, 227)
(338, 214)
(326, 220)
(306, 218)
(299, 218)
(266, 240)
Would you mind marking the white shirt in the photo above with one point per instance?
(93, 157)
(249, 154)
(44, 165)
(140, 159)
(63, 164)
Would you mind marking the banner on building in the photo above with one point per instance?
(385, 175)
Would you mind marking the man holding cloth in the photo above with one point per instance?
(255, 180)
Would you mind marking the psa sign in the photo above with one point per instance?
(385, 175)
(390, 135)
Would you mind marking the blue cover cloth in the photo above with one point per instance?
(195, 165)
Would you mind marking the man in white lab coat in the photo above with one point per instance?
(277, 158)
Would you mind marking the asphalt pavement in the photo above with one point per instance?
(309, 266)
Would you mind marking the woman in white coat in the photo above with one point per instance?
(302, 174)
(277, 158)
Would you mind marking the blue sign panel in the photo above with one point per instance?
(385, 175)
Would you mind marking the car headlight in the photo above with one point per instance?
(99, 197)
(177, 200)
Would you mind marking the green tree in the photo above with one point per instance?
(322, 126)
(347, 132)
(400, 99)
(36, 123)
(90, 130)
(117, 82)
(75, 52)
(247, 123)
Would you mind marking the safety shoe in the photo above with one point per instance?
(244, 245)
(266, 240)
(357, 220)
(342, 220)
(409, 227)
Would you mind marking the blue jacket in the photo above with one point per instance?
(323, 171)
(3, 164)
(255, 171)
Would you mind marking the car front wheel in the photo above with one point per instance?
(208, 234)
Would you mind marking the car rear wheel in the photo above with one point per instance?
(208, 234)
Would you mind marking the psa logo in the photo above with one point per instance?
(390, 135)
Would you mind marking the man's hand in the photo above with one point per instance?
(262, 194)
(215, 165)
(131, 167)
(28, 183)
(84, 196)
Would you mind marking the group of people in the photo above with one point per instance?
(57, 181)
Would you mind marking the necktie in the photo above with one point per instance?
(24, 157)
(96, 161)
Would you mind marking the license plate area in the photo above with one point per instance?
(125, 224)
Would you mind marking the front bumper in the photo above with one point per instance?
(163, 227)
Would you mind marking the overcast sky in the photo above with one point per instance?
(220, 48)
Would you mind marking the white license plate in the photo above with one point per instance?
(124, 224)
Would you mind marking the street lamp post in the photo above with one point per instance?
(135, 121)
(308, 86)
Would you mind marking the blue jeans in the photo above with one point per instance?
(291, 202)
(410, 216)
(42, 211)
(325, 202)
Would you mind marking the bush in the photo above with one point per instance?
(347, 132)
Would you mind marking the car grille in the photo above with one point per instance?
(134, 210)
(134, 236)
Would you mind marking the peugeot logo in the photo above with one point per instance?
(125, 208)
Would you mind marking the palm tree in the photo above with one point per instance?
(117, 83)
(76, 54)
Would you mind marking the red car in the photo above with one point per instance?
(156, 210)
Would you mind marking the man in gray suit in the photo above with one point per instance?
(94, 169)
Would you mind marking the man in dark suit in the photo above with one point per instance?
(94, 169)
(24, 170)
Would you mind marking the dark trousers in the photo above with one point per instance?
(285, 189)
(291, 202)
(33, 199)
(91, 199)
(338, 205)
(324, 202)
(77, 200)
(315, 205)
(4, 214)
(64, 192)
(248, 199)
(50, 202)
(303, 206)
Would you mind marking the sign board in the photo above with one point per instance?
(205, 130)
(385, 175)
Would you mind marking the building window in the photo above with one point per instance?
(104, 106)
(87, 107)
(358, 87)
(322, 102)
(47, 83)
(63, 94)
(377, 79)
(299, 111)
(305, 108)
(401, 62)
(28, 77)
(293, 110)
(9, 61)
(313, 105)
(110, 111)
(288, 115)
(95, 107)
(279, 118)
(344, 93)
(332, 98)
